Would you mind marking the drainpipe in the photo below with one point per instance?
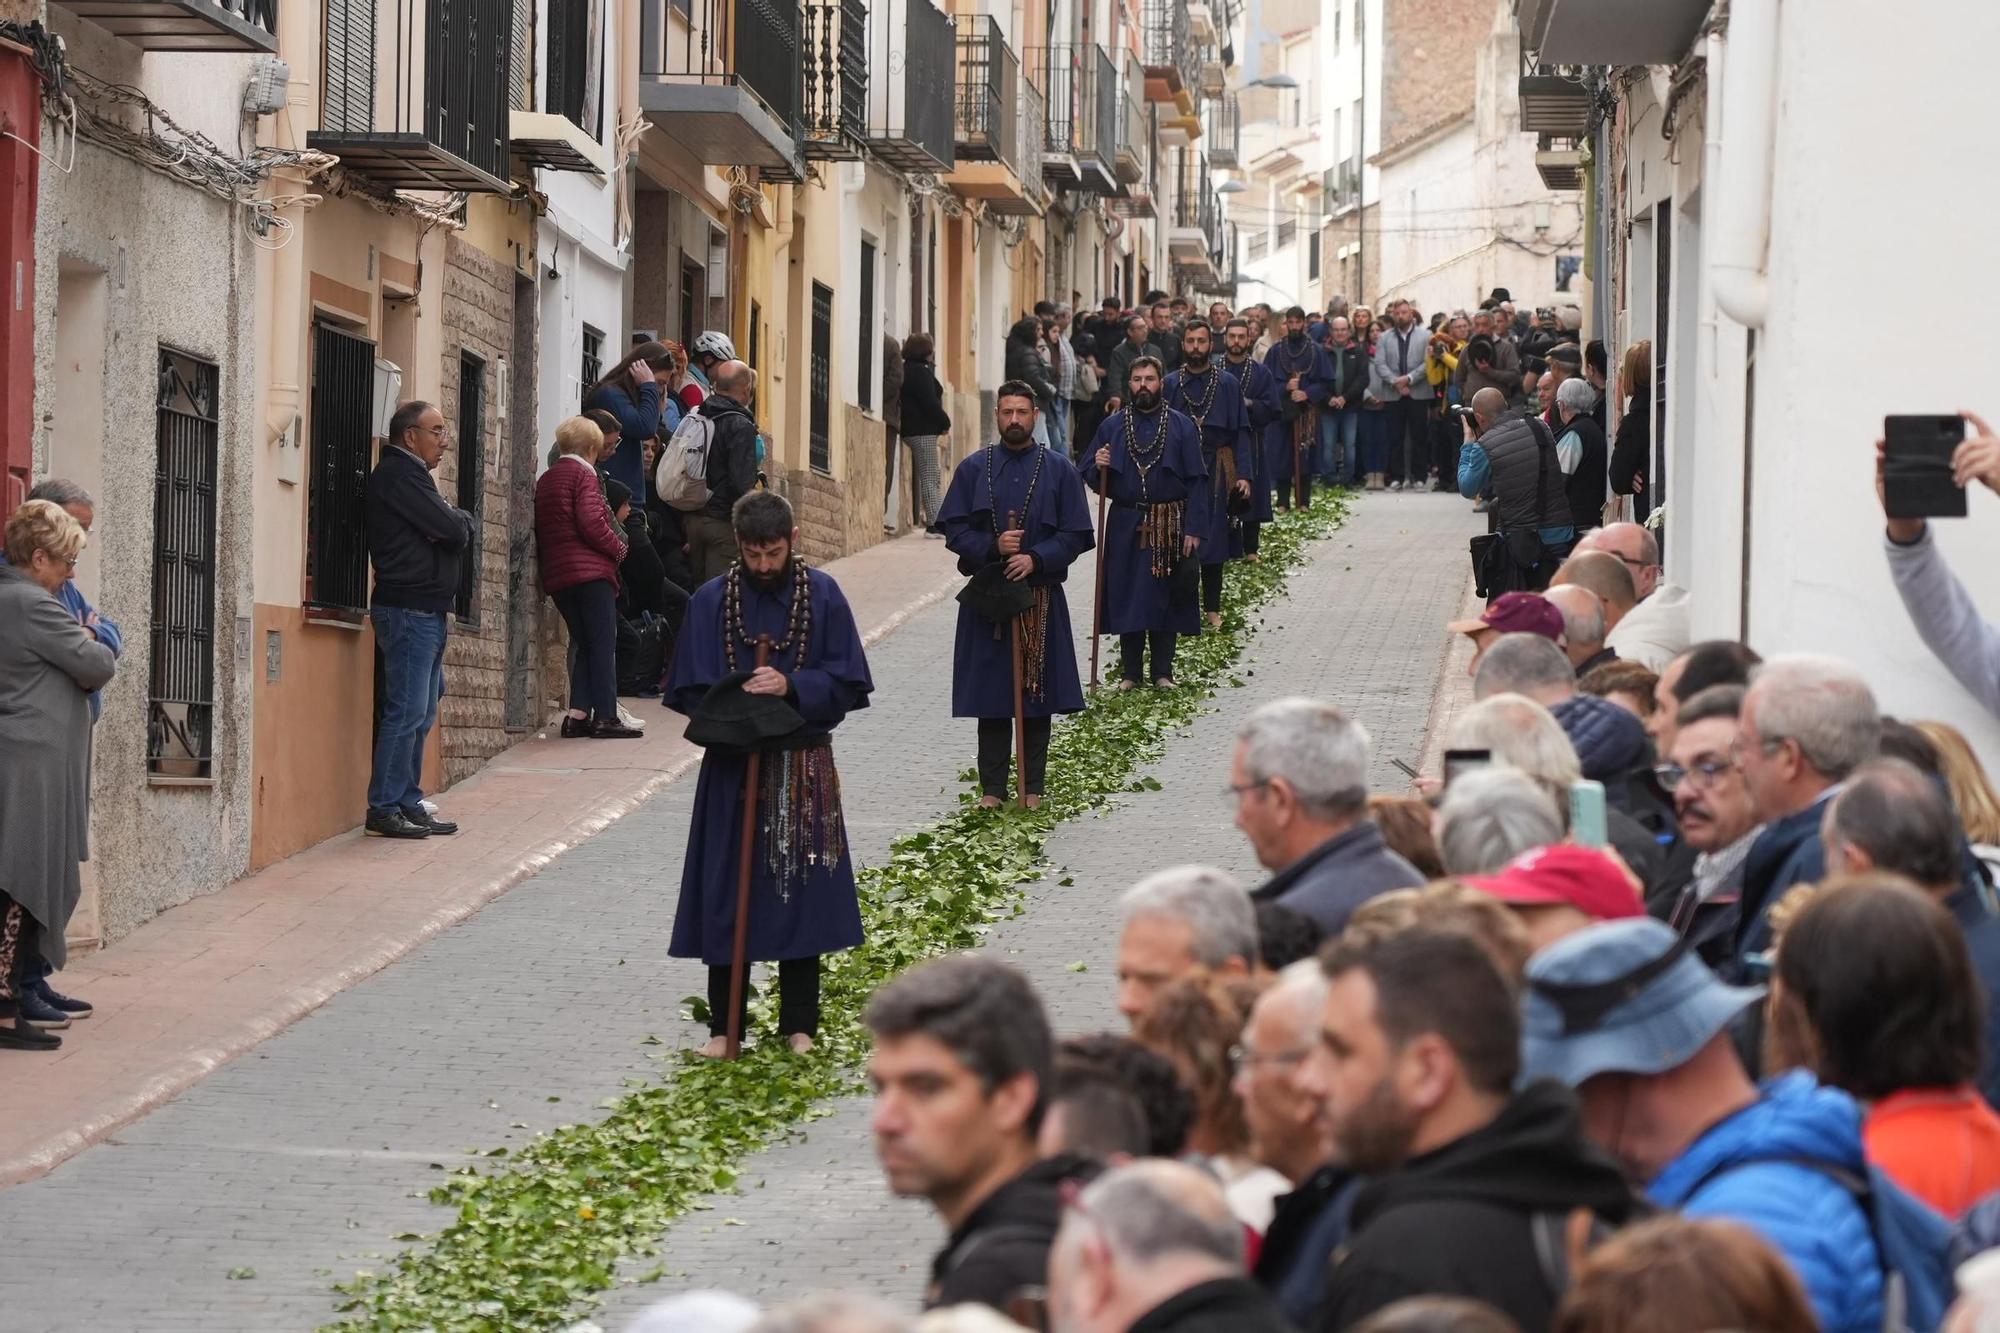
(1740, 147)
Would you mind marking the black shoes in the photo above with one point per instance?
(31, 1009)
(396, 824)
(574, 727)
(612, 729)
(438, 828)
(19, 1035)
(68, 1004)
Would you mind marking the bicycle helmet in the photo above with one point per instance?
(716, 345)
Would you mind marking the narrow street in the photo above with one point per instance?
(290, 1166)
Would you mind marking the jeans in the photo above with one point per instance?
(1059, 425)
(412, 647)
(798, 997)
(996, 754)
(1132, 654)
(1338, 432)
(1374, 437)
(591, 612)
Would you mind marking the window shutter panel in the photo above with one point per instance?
(348, 103)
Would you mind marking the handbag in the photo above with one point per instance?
(1512, 561)
(1087, 383)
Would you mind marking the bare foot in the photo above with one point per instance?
(715, 1049)
(989, 803)
(1124, 685)
(1215, 619)
(801, 1043)
(1165, 683)
(1031, 802)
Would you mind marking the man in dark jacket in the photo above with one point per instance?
(1471, 1183)
(732, 472)
(962, 1064)
(1152, 1247)
(1300, 775)
(1516, 458)
(1118, 382)
(415, 542)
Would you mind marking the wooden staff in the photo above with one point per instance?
(1097, 602)
(1020, 709)
(1300, 426)
(739, 966)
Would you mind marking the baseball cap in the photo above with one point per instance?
(1624, 997)
(1516, 613)
(1580, 877)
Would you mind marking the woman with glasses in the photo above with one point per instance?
(49, 664)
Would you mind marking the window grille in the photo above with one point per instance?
(180, 689)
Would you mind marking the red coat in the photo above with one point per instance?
(574, 530)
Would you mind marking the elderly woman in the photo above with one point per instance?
(581, 547)
(1581, 451)
(49, 664)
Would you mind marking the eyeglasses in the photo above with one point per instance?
(1765, 744)
(1234, 791)
(1242, 1057)
(442, 432)
(1702, 773)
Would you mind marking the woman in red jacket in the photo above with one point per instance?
(581, 548)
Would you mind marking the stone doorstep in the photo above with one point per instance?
(209, 991)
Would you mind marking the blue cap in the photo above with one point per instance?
(1624, 997)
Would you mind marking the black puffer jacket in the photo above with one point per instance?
(732, 454)
(1525, 473)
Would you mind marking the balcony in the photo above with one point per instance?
(568, 133)
(1081, 134)
(723, 80)
(988, 100)
(405, 101)
(833, 123)
(1194, 232)
(1130, 156)
(1034, 197)
(1220, 281)
(1559, 162)
(1610, 32)
(911, 106)
(184, 25)
(1172, 62)
(1225, 131)
(1553, 104)
(1201, 20)
(1340, 186)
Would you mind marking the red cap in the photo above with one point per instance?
(1517, 613)
(1581, 877)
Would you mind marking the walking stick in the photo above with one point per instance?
(1097, 602)
(1020, 711)
(739, 967)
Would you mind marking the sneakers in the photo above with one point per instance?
(19, 1035)
(395, 824)
(630, 720)
(30, 1008)
(68, 1004)
(1395, 485)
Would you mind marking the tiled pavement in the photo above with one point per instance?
(317, 1146)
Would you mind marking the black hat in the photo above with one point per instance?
(1184, 588)
(995, 596)
(728, 719)
(1500, 294)
(616, 493)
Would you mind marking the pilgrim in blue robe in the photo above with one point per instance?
(1134, 599)
(1305, 358)
(1265, 404)
(818, 913)
(1058, 528)
(1224, 424)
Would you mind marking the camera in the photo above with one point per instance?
(1459, 410)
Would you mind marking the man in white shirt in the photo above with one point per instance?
(1655, 631)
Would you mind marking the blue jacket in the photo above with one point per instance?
(1730, 1173)
(108, 632)
(1787, 852)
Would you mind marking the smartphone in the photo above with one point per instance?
(1457, 762)
(1916, 469)
(1408, 772)
(1587, 820)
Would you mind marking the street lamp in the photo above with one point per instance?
(1231, 186)
(1278, 80)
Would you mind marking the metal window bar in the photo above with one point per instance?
(1028, 141)
(764, 34)
(469, 430)
(820, 455)
(592, 369)
(465, 106)
(1169, 43)
(989, 82)
(180, 689)
(343, 397)
(1060, 73)
(569, 93)
(834, 116)
(1102, 96)
(864, 389)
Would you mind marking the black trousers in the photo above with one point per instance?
(1251, 531)
(996, 755)
(1132, 654)
(591, 612)
(1408, 424)
(798, 997)
(1447, 437)
(1211, 587)
(1303, 472)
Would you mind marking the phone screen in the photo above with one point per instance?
(1587, 818)
(1916, 469)
(1464, 761)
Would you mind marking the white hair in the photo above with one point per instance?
(1491, 816)
(1578, 400)
(1300, 992)
(1822, 703)
(834, 1312)
(1155, 1209)
(1521, 734)
(1320, 752)
(696, 1312)
(1527, 664)
(1213, 904)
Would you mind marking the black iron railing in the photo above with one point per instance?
(343, 397)
(988, 94)
(469, 433)
(1081, 126)
(464, 102)
(764, 34)
(1225, 130)
(1196, 204)
(1169, 44)
(573, 92)
(834, 117)
(819, 424)
(180, 682)
(1130, 155)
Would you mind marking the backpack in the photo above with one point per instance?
(1912, 1242)
(641, 654)
(682, 476)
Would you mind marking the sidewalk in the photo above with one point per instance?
(203, 983)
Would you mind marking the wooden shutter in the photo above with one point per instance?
(348, 103)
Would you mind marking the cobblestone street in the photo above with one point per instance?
(316, 1148)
